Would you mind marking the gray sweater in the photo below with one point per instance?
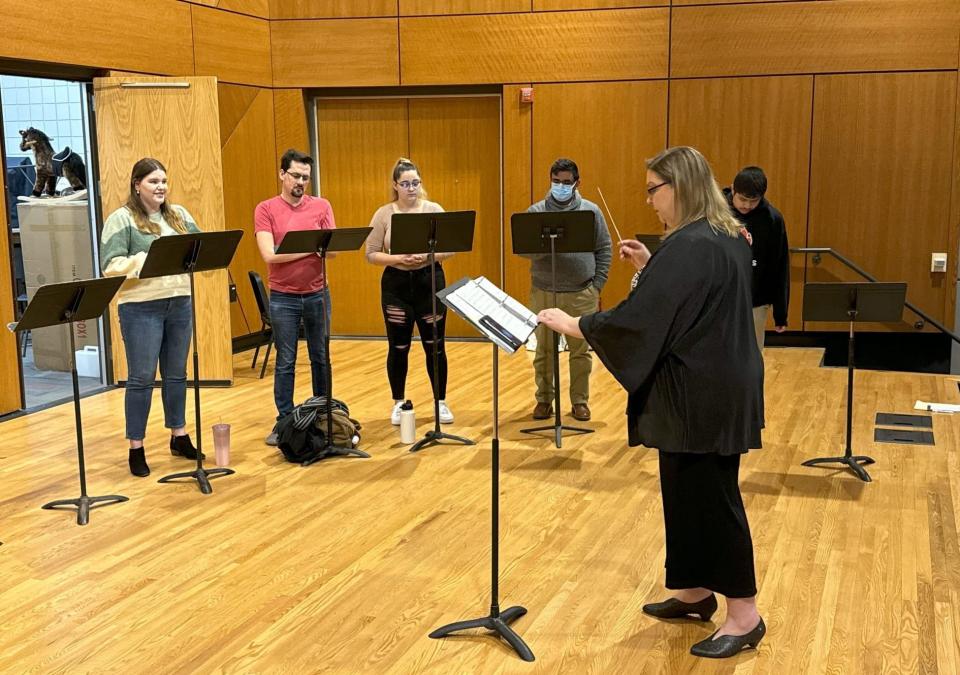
(575, 271)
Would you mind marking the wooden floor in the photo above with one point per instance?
(347, 565)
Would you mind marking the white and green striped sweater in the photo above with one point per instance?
(123, 248)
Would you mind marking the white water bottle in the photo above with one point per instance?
(408, 423)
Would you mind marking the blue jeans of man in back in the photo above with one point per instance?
(287, 310)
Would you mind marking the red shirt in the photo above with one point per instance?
(278, 217)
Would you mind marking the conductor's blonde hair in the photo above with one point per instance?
(696, 193)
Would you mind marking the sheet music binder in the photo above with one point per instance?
(506, 322)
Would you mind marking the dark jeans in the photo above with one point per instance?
(155, 331)
(406, 300)
(286, 312)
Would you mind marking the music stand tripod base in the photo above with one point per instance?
(498, 622)
(83, 504)
(335, 451)
(201, 475)
(854, 463)
(433, 437)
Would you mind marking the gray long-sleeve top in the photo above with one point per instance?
(575, 271)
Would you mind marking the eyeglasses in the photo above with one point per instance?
(654, 188)
(409, 184)
(299, 177)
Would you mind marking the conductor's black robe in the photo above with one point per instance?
(683, 346)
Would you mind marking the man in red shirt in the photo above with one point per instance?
(298, 291)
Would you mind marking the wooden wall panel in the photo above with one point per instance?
(608, 129)
(881, 177)
(505, 48)
(517, 177)
(812, 37)
(953, 256)
(259, 8)
(9, 345)
(180, 127)
(553, 5)
(359, 142)
(83, 33)
(433, 7)
(250, 167)
(330, 53)
(331, 9)
(762, 121)
(456, 144)
(233, 47)
(290, 120)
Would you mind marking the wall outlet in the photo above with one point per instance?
(938, 262)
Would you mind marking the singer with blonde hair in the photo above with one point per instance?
(682, 345)
(405, 294)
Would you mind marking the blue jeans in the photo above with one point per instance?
(155, 331)
(286, 312)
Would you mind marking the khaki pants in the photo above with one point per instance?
(760, 323)
(576, 303)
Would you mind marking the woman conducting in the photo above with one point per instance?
(154, 313)
(682, 345)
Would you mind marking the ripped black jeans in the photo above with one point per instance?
(405, 299)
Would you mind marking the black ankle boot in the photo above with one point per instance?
(138, 463)
(182, 447)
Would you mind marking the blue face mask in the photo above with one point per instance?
(561, 192)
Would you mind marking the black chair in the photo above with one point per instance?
(263, 304)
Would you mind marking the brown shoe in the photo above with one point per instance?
(581, 412)
(543, 411)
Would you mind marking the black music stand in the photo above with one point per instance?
(186, 254)
(554, 232)
(432, 233)
(320, 242)
(56, 304)
(852, 302)
(497, 621)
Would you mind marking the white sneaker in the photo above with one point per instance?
(446, 417)
(395, 414)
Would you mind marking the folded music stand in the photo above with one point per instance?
(553, 232)
(852, 302)
(56, 304)
(432, 233)
(186, 254)
(320, 242)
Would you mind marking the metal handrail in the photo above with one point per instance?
(817, 250)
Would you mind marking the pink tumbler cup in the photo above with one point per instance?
(221, 443)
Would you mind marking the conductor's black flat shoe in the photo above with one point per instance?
(180, 446)
(729, 645)
(138, 463)
(677, 609)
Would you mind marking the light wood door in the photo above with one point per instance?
(179, 127)
(10, 393)
(455, 142)
(608, 129)
(880, 182)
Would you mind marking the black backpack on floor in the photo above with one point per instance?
(301, 435)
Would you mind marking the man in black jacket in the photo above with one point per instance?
(768, 235)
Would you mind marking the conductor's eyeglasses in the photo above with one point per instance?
(654, 188)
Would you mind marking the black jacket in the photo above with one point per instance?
(771, 256)
(682, 345)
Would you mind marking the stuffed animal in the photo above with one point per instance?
(39, 142)
(70, 165)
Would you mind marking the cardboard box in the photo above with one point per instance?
(55, 239)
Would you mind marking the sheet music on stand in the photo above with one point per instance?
(502, 319)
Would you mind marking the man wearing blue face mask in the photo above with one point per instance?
(580, 277)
